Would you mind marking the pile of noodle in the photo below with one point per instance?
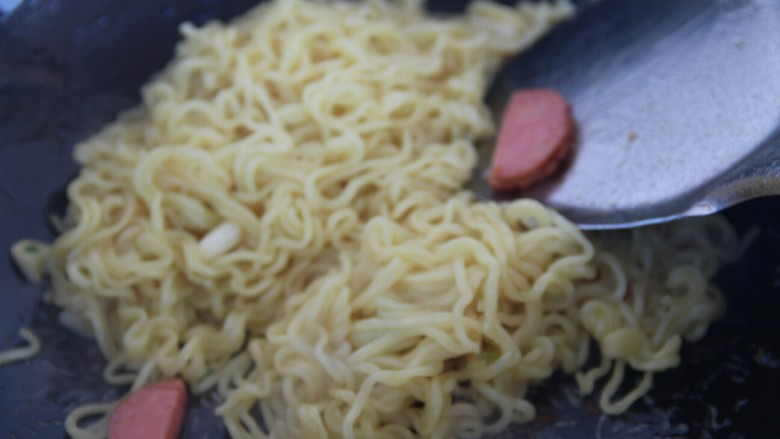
(281, 220)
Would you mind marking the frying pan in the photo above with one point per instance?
(67, 67)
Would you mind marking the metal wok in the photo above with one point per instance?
(68, 66)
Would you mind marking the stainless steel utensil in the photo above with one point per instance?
(677, 105)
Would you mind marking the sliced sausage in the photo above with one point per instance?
(153, 412)
(535, 137)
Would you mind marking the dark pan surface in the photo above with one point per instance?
(68, 66)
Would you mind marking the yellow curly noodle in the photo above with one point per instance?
(22, 353)
(281, 220)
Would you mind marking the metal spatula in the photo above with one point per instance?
(677, 105)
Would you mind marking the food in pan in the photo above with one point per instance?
(281, 221)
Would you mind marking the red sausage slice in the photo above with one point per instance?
(536, 135)
(153, 412)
